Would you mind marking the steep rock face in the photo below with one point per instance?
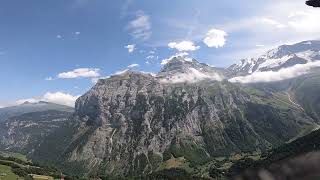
(129, 124)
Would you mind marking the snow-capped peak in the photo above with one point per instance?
(280, 57)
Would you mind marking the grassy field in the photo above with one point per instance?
(40, 177)
(7, 174)
(15, 155)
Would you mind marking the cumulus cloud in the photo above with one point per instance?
(58, 36)
(53, 97)
(191, 76)
(282, 74)
(130, 47)
(183, 46)
(77, 33)
(133, 65)
(140, 27)
(215, 38)
(80, 72)
(182, 54)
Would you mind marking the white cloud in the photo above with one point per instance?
(150, 57)
(133, 65)
(140, 27)
(215, 38)
(56, 97)
(152, 52)
(80, 72)
(49, 79)
(282, 74)
(191, 76)
(305, 21)
(120, 72)
(95, 80)
(77, 33)
(59, 36)
(273, 23)
(130, 47)
(182, 54)
(183, 46)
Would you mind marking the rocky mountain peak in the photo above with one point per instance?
(181, 69)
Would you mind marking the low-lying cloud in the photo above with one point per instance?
(53, 97)
(182, 54)
(282, 74)
(191, 76)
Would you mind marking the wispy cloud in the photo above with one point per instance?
(80, 72)
(49, 78)
(140, 27)
(133, 65)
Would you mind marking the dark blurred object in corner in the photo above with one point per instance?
(313, 3)
(305, 167)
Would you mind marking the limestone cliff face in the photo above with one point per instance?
(130, 123)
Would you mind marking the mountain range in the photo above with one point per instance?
(185, 117)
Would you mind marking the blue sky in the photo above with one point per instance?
(44, 42)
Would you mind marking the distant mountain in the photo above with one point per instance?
(24, 127)
(25, 132)
(27, 107)
(282, 57)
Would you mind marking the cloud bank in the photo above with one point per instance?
(282, 74)
(191, 76)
